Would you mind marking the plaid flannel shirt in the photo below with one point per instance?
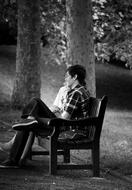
(77, 106)
(77, 100)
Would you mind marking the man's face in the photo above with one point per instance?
(69, 80)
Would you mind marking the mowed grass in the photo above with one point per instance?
(115, 82)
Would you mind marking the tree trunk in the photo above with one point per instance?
(80, 47)
(27, 83)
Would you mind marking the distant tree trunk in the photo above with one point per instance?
(80, 47)
(27, 83)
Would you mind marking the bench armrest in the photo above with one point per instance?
(59, 122)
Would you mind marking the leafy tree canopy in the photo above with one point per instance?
(112, 27)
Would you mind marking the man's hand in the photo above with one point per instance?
(65, 115)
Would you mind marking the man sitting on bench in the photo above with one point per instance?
(74, 106)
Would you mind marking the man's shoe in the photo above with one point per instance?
(8, 164)
(27, 124)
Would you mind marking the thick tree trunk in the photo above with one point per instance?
(28, 78)
(80, 47)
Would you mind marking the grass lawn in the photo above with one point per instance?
(116, 138)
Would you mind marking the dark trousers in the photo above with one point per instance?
(36, 108)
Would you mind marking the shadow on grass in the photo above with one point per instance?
(115, 82)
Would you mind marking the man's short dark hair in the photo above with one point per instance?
(78, 70)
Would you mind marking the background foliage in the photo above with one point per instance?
(112, 29)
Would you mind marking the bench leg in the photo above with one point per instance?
(66, 156)
(95, 162)
(53, 158)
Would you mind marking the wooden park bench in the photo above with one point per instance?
(58, 146)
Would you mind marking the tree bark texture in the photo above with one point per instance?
(27, 82)
(80, 46)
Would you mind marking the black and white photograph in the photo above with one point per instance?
(65, 95)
